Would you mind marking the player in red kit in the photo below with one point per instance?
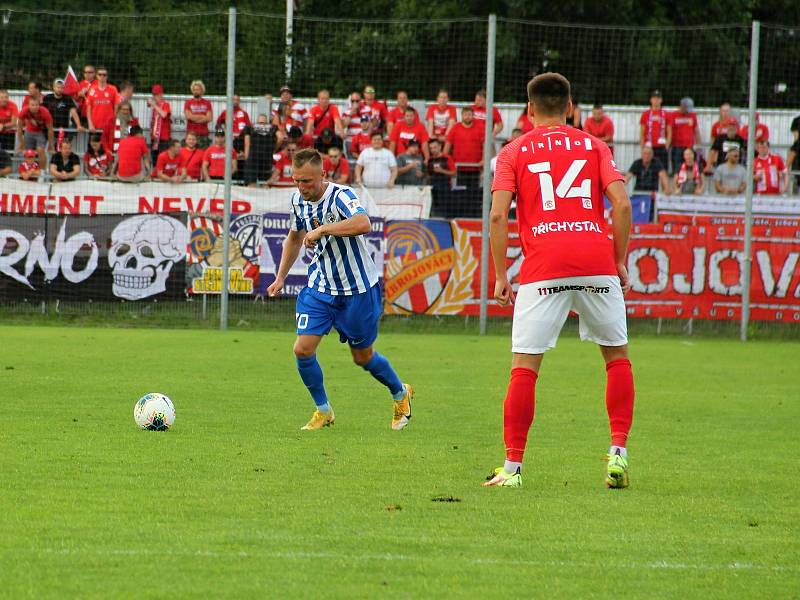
(559, 175)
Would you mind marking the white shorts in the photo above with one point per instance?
(541, 309)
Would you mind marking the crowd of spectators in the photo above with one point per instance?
(364, 141)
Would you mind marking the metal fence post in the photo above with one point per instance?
(226, 216)
(748, 194)
(289, 35)
(488, 148)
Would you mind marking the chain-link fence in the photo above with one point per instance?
(78, 246)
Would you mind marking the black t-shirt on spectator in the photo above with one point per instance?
(438, 180)
(262, 142)
(59, 108)
(5, 159)
(796, 148)
(722, 144)
(646, 177)
(65, 166)
(795, 124)
(334, 142)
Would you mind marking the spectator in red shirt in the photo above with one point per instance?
(440, 117)
(29, 169)
(600, 126)
(170, 166)
(241, 131)
(336, 167)
(655, 129)
(351, 116)
(374, 109)
(132, 151)
(762, 131)
(324, 115)
(101, 105)
(192, 156)
(720, 126)
(466, 143)
(479, 114)
(524, 123)
(398, 113)
(160, 122)
(296, 112)
(282, 167)
(214, 159)
(89, 81)
(8, 121)
(769, 171)
(97, 160)
(406, 130)
(361, 141)
(685, 132)
(36, 119)
(34, 91)
(296, 135)
(198, 113)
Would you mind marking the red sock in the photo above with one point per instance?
(619, 399)
(518, 412)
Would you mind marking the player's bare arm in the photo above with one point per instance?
(621, 225)
(357, 225)
(291, 250)
(498, 238)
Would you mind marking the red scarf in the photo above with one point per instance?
(695, 174)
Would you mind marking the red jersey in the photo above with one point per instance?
(215, 157)
(193, 160)
(360, 142)
(768, 173)
(36, 122)
(323, 119)
(331, 172)
(683, 128)
(762, 132)
(377, 110)
(524, 122)
(24, 167)
(397, 114)
(169, 165)
(655, 127)
(402, 134)
(197, 106)
(161, 127)
(103, 103)
(440, 117)
(8, 112)
(479, 114)
(721, 127)
(282, 164)
(467, 143)
(559, 175)
(599, 129)
(84, 85)
(240, 120)
(131, 151)
(97, 166)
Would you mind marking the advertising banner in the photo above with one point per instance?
(273, 229)
(109, 257)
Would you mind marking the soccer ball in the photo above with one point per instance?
(154, 412)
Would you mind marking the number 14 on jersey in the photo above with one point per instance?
(565, 188)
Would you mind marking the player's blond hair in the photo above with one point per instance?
(307, 156)
(200, 83)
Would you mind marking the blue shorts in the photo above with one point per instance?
(355, 317)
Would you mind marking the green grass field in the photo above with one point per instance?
(235, 502)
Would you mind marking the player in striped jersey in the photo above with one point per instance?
(342, 289)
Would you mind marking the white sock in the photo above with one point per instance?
(622, 451)
(511, 466)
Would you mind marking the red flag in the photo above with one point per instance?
(71, 86)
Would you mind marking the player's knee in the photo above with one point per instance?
(614, 352)
(303, 351)
(362, 357)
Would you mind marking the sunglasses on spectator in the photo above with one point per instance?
(101, 74)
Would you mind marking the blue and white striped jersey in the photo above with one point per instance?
(341, 265)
